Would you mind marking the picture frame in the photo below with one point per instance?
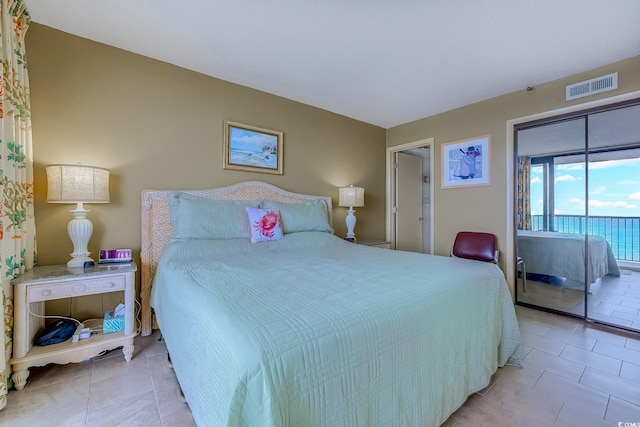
(467, 162)
(252, 149)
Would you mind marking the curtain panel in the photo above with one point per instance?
(17, 222)
(524, 193)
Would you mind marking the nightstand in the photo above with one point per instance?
(41, 284)
(383, 244)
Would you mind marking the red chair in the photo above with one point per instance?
(475, 245)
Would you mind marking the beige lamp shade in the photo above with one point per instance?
(351, 196)
(77, 183)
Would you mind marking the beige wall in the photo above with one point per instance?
(155, 125)
(485, 208)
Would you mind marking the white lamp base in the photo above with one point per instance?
(80, 229)
(351, 223)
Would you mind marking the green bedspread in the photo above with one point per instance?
(312, 330)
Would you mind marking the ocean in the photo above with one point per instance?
(622, 233)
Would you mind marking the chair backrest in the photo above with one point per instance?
(475, 245)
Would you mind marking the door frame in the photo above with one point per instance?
(510, 258)
(390, 229)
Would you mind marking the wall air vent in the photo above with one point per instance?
(593, 86)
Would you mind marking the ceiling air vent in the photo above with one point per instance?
(593, 86)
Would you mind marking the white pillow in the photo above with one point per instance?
(264, 224)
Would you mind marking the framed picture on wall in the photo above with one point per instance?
(466, 162)
(252, 149)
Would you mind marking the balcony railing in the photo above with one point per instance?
(622, 232)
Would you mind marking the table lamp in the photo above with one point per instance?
(78, 184)
(351, 197)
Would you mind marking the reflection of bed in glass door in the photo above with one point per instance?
(558, 256)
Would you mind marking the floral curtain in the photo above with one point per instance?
(17, 224)
(524, 193)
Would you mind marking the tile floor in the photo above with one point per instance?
(103, 391)
(614, 300)
(573, 374)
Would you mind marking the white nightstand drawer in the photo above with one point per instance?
(66, 289)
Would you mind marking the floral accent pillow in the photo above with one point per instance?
(265, 224)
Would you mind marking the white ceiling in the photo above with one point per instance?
(384, 62)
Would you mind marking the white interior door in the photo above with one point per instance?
(409, 197)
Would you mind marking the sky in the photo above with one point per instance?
(614, 188)
(249, 140)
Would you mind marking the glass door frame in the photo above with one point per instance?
(548, 161)
(548, 164)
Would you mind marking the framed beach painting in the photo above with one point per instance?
(252, 149)
(466, 162)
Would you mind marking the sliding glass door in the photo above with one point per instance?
(578, 209)
(614, 215)
(552, 242)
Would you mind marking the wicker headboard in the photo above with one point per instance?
(157, 228)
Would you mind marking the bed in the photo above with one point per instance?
(312, 330)
(562, 255)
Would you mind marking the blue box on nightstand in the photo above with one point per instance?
(112, 323)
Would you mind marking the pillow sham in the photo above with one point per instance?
(264, 225)
(298, 217)
(196, 217)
